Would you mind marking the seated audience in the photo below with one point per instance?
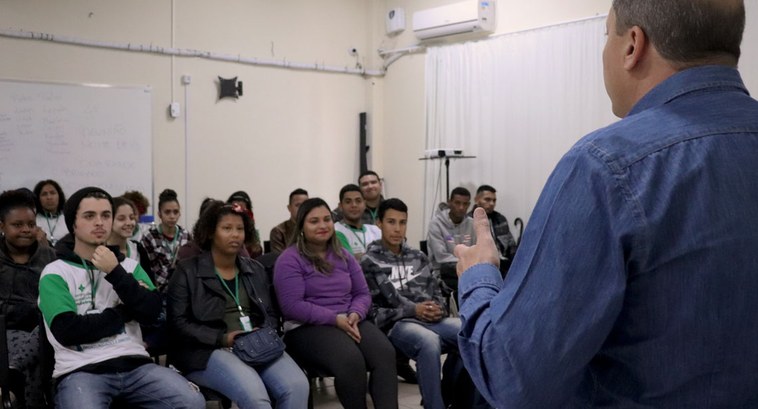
(351, 232)
(92, 300)
(408, 303)
(124, 222)
(50, 201)
(191, 248)
(324, 300)
(450, 227)
(282, 233)
(253, 244)
(162, 242)
(371, 187)
(216, 296)
(141, 203)
(486, 198)
(22, 259)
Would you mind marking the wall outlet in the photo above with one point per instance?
(174, 110)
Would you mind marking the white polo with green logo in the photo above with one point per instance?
(356, 240)
(65, 286)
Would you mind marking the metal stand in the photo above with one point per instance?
(447, 168)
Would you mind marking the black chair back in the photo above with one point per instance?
(11, 380)
(422, 246)
(4, 366)
(46, 365)
(267, 246)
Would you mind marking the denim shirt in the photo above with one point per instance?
(636, 282)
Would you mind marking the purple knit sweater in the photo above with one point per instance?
(311, 297)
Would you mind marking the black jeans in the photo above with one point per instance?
(331, 350)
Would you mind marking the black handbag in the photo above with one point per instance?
(259, 347)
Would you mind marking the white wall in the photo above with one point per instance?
(403, 90)
(403, 116)
(749, 59)
(291, 128)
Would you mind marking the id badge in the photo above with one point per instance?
(246, 325)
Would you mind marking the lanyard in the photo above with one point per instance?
(355, 233)
(93, 284)
(236, 294)
(51, 229)
(373, 214)
(172, 247)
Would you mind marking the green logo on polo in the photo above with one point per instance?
(81, 287)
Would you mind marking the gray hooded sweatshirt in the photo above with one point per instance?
(444, 235)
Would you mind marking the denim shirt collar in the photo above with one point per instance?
(690, 80)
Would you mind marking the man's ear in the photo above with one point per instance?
(636, 47)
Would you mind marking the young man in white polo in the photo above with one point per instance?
(352, 232)
(93, 301)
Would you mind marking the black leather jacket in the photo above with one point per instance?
(196, 302)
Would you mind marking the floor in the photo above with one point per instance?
(324, 396)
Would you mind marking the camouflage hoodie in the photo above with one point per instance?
(397, 282)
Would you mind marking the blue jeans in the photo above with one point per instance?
(149, 386)
(250, 387)
(425, 343)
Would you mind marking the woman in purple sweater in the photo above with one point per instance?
(324, 299)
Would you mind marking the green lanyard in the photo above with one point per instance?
(236, 295)
(172, 247)
(373, 214)
(93, 284)
(355, 233)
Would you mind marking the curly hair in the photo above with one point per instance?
(14, 199)
(205, 228)
(138, 199)
(167, 196)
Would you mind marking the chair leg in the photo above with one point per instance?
(17, 385)
(6, 397)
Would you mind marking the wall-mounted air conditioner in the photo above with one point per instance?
(464, 17)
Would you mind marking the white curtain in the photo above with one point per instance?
(517, 102)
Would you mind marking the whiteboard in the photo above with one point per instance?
(79, 135)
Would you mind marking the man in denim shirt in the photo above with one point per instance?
(654, 306)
